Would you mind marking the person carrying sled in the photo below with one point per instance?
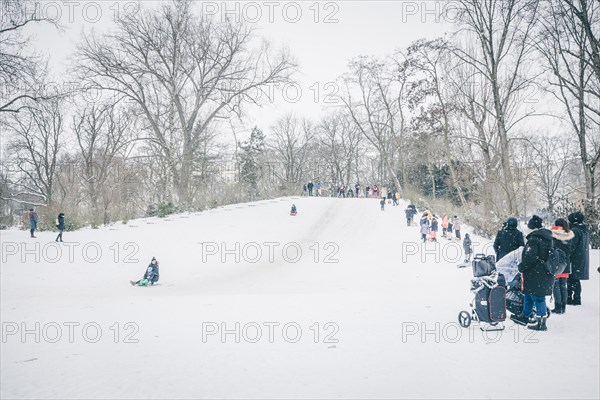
(468, 248)
(60, 225)
(150, 276)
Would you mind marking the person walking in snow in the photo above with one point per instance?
(508, 238)
(310, 188)
(382, 203)
(537, 281)
(33, 221)
(562, 236)
(60, 225)
(468, 248)
(318, 188)
(424, 223)
(456, 225)
(357, 189)
(410, 213)
(444, 225)
(580, 258)
(304, 191)
(367, 190)
(150, 276)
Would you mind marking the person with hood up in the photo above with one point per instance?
(537, 281)
(33, 221)
(580, 258)
(562, 236)
(508, 239)
(150, 276)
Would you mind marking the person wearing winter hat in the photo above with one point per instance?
(562, 236)
(580, 258)
(537, 281)
(424, 223)
(150, 276)
(508, 239)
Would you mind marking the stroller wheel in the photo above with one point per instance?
(464, 319)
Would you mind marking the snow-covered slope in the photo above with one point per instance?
(363, 311)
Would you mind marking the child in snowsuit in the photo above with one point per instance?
(294, 211)
(150, 276)
(382, 202)
(467, 246)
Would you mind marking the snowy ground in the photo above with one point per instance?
(380, 322)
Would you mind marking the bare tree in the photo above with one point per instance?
(551, 158)
(21, 70)
(427, 57)
(372, 99)
(103, 133)
(570, 48)
(290, 144)
(502, 30)
(36, 139)
(183, 71)
(340, 140)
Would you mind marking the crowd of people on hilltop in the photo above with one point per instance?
(571, 236)
(389, 195)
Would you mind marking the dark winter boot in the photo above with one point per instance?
(558, 308)
(569, 301)
(539, 325)
(520, 319)
(576, 302)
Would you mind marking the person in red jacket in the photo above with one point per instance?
(562, 236)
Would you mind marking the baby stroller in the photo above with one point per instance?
(489, 296)
(509, 267)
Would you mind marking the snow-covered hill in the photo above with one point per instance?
(339, 301)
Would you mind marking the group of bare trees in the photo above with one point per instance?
(502, 113)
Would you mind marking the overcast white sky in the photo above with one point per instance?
(322, 36)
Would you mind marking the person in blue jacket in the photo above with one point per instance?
(150, 276)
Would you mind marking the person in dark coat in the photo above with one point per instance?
(580, 258)
(310, 188)
(60, 225)
(562, 236)
(410, 212)
(508, 239)
(150, 276)
(537, 281)
(424, 223)
(468, 248)
(33, 221)
(382, 203)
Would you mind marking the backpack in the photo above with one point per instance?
(556, 263)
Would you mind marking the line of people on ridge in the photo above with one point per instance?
(571, 235)
(311, 189)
